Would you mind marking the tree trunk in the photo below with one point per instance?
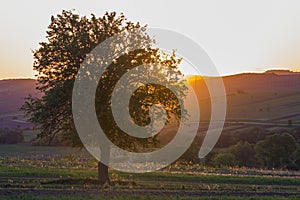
(102, 173)
(103, 168)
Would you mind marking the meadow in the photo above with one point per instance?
(31, 172)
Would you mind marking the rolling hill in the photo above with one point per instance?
(12, 95)
(250, 96)
(255, 96)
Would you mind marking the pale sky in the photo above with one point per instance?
(238, 35)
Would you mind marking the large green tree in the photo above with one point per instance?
(276, 150)
(69, 40)
(244, 153)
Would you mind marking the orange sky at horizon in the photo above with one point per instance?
(237, 40)
(190, 77)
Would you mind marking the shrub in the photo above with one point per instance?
(244, 154)
(9, 136)
(295, 164)
(224, 159)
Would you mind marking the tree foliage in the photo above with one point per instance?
(69, 40)
(244, 154)
(275, 151)
(224, 159)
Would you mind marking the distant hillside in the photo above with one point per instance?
(254, 96)
(262, 82)
(250, 96)
(12, 96)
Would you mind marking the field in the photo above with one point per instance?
(271, 102)
(28, 172)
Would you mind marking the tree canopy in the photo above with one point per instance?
(276, 150)
(69, 39)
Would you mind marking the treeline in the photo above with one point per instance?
(279, 151)
(252, 147)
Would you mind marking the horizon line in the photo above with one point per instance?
(296, 71)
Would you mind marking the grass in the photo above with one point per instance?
(141, 198)
(49, 183)
(57, 174)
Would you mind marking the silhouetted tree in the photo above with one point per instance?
(69, 39)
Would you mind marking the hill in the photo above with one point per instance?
(258, 104)
(12, 95)
(251, 96)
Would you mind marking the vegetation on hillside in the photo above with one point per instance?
(276, 151)
(11, 136)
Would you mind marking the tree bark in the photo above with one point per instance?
(102, 173)
(102, 167)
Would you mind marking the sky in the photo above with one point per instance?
(238, 35)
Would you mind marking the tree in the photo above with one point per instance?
(244, 153)
(224, 159)
(69, 40)
(295, 160)
(275, 151)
